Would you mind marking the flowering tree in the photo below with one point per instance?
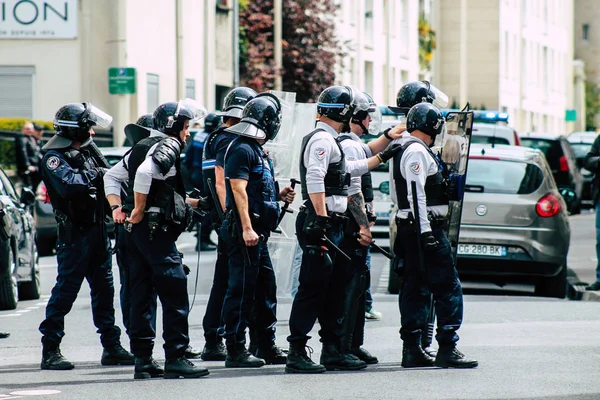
(308, 43)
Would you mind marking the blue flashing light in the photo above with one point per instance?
(483, 116)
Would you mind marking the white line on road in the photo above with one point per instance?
(10, 315)
(23, 311)
(33, 307)
(42, 303)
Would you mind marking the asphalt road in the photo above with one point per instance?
(528, 348)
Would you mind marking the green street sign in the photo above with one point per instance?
(571, 115)
(121, 80)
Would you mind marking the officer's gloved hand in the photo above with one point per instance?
(204, 204)
(317, 228)
(390, 151)
(429, 241)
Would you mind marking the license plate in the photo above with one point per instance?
(482, 250)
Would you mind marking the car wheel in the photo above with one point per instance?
(555, 286)
(31, 290)
(9, 293)
(46, 247)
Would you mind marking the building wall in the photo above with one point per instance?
(380, 41)
(587, 49)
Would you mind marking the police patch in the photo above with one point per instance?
(52, 163)
(320, 153)
(415, 167)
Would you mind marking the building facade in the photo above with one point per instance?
(380, 44)
(59, 51)
(510, 55)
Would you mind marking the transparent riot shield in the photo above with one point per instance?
(298, 120)
(453, 149)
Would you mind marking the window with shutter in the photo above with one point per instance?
(16, 96)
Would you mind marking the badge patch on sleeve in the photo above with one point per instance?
(415, 167)
(320, 153)
(52, 163)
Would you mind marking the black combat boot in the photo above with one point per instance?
(272, 354)
(214, 352)
(116, 355)
(413, 356)
(191, 353)
(299, 362)
(365, 356)
(184, 368)
(332, 358)
(429, 351)
(146, 368)
(239, 357)
(53, 359)
(450, 357)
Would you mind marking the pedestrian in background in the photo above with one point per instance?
(28, 154)
(592, 164)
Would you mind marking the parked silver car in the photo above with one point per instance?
(515, 224)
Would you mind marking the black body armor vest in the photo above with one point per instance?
(435, 186)
(336, 178)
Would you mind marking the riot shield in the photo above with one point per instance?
(453, 149)
(298, 120)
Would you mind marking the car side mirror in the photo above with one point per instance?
(27, 196)
(384, 187)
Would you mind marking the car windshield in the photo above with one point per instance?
(503, 176)
(489, 140)
(550, 148)
(581, 149)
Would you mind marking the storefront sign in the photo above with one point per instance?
(121, 80)
(38, 19)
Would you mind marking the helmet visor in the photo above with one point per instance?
(99, 117)
(191, 109)
(375, 124)
(441, 98)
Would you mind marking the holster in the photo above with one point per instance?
(65, 229)
(155, 222)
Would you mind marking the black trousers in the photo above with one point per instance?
(212, 320)
(321, 291)
(156, 266)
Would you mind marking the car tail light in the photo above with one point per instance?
(564, 164)
(517, 141)
(548, 206)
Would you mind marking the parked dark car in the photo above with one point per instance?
(561, 158)
(19, 267)
(581, 142)
(44, 216)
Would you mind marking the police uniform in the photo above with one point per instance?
(74, 184)
(437, 273)
(152, 168)
(323, 168)
(357, 274)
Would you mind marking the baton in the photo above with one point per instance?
(213, 193)
(375, 246)
(285, 207)
(337, 249)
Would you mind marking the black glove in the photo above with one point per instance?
(204, 204)
(390, 151)
(317, 228)
(428, 241)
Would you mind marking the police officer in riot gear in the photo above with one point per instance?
(359, 214)
(159, 212)
(428, 260)
(213, 175)
(252, 212)
(325, 176)
(74, 183)
(417, 92)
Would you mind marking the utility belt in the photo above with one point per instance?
(67, 230)
(235, 231)
(159, 222)
(336, 217)
(434, 221)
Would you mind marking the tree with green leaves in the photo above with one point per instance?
(308, 43)
(592, 105)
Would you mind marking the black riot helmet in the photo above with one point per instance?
(146, 121)
(427, 118)
(335, 102)
(418, 92)
(211, 122)
(169, 117)
(235, 101)
(261, 118)
(73, 121)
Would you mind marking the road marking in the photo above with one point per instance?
(42, 303)
(23, 311)
(10, 315)
(383, 280)
(33, 307)
(35, 392)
